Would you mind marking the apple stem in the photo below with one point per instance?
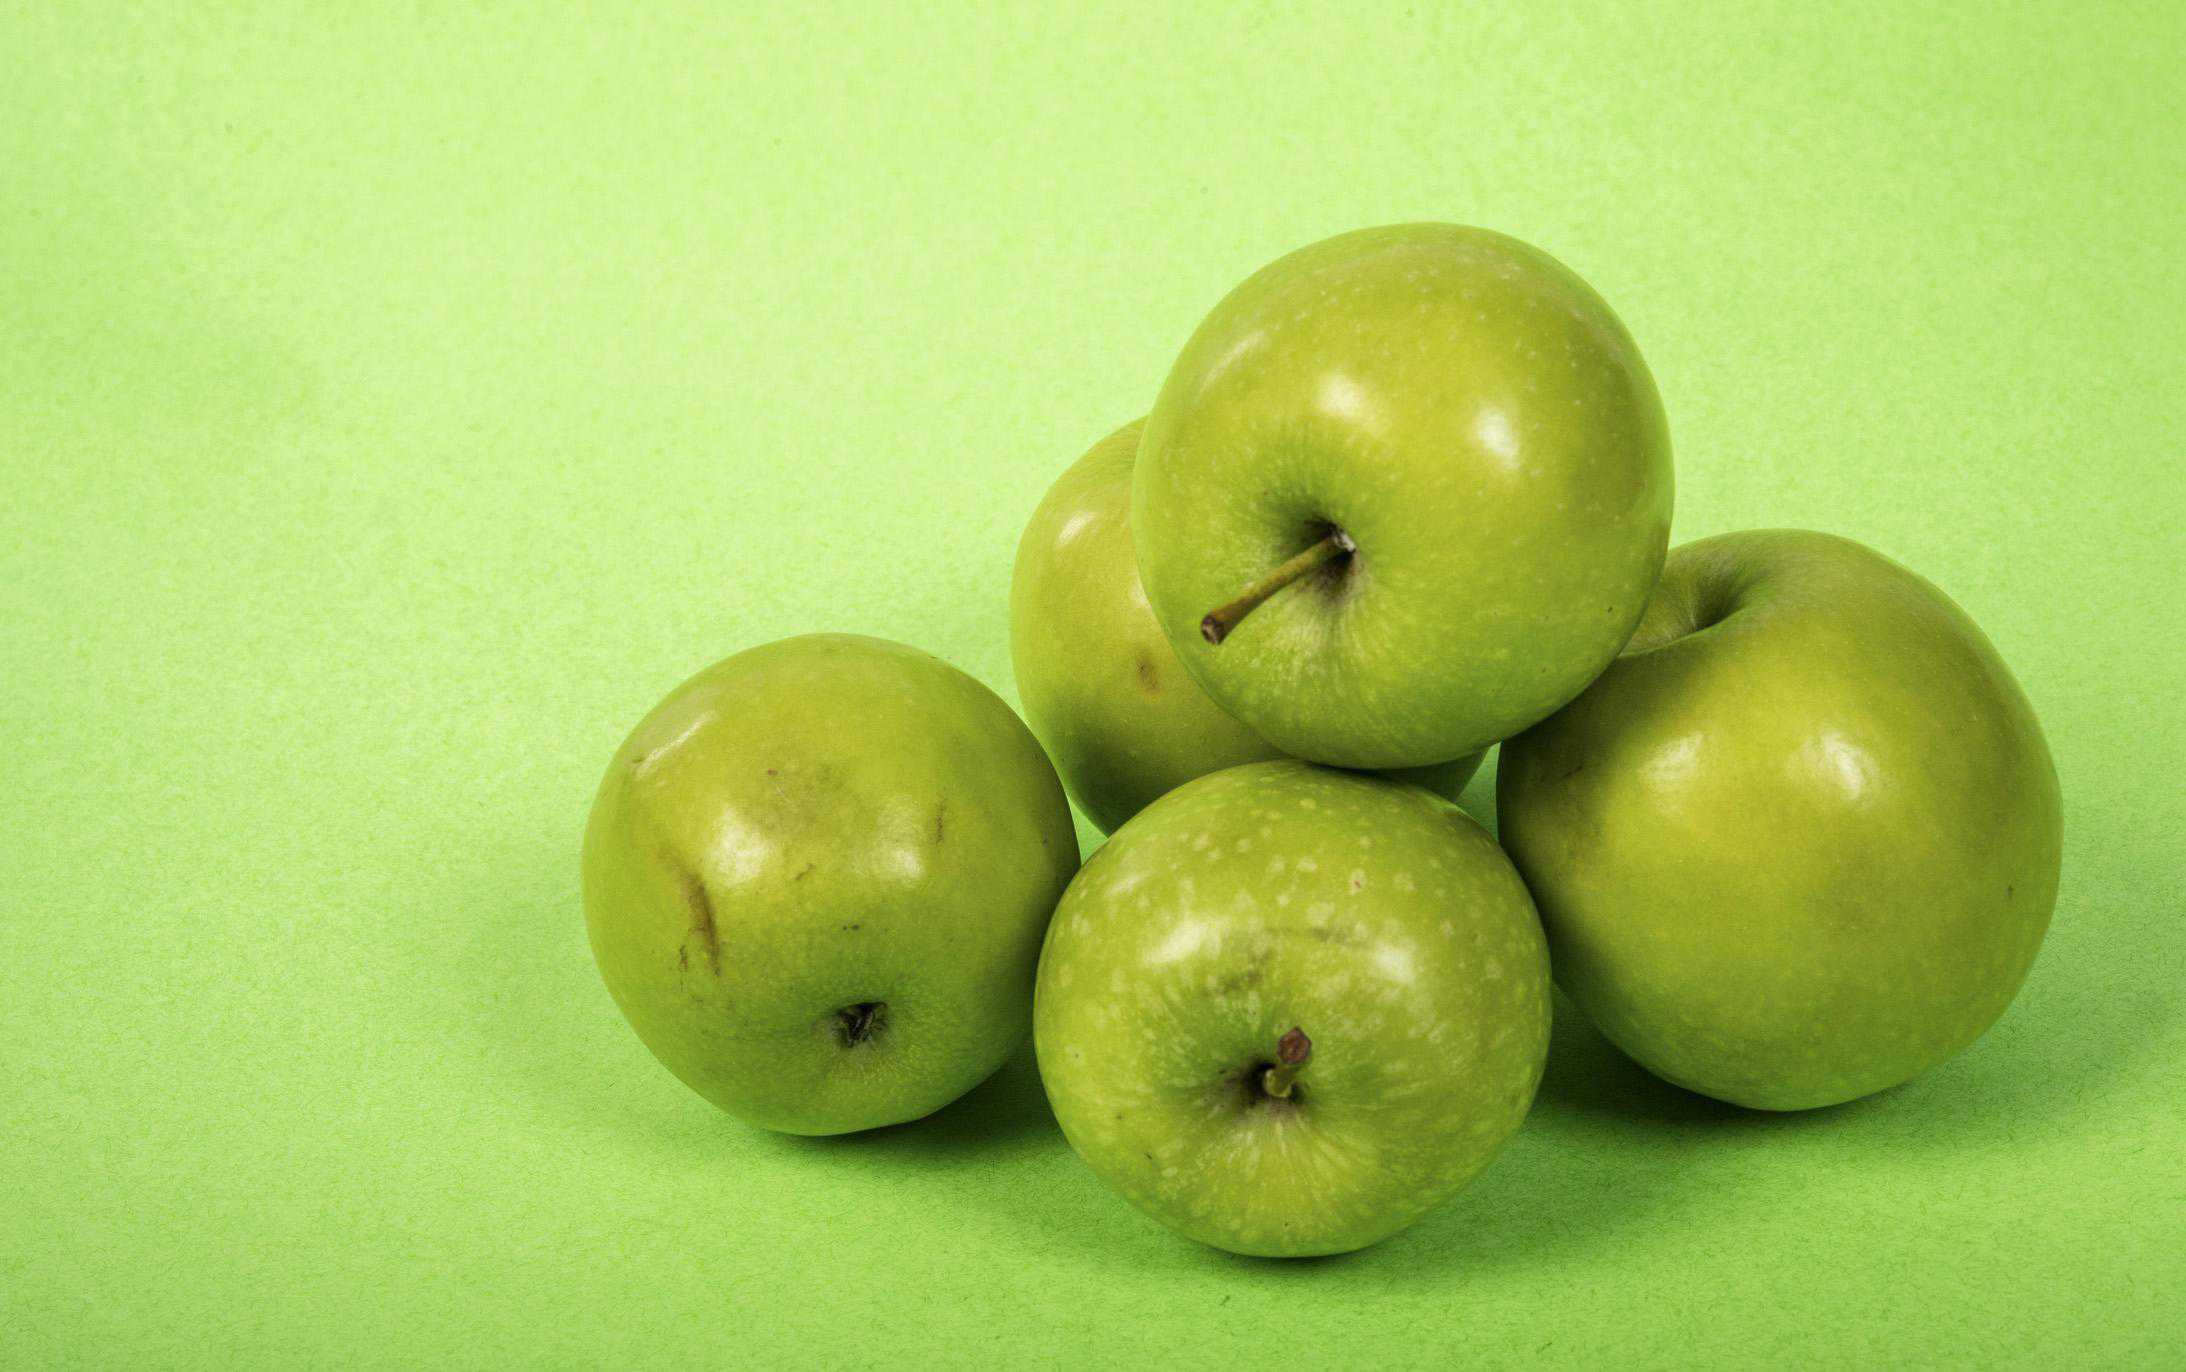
(1218, 623)
(1292, 1052)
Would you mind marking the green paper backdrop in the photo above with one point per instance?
(395, 400)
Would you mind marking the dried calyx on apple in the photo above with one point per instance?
(856, 1024)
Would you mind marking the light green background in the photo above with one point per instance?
(396, 400)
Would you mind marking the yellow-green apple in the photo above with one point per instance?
(816, 879)
(1403, 494)
(1122, 719)
(1801, 841)
(1287, 1010)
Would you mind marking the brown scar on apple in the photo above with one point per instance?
(702, 925)
(941, 820)
(1149, 673)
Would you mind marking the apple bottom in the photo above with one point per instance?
(830, 1031)
(816, 879)
(1272, 903)
(1384, 1124)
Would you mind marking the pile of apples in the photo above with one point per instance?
(1772, 809)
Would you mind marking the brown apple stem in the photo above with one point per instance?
(1218, 624)
(1292, 1052)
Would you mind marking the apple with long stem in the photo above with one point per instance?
(1122, 719)
(1403, 494)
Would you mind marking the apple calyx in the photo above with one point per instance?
(854, 1024)
(1292, 1052)
(1219, 622)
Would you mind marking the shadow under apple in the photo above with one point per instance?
(1006, 1113)
(1608, 1146)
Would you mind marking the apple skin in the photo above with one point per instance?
(1370, 914)
(822, 823)
(1801, 842)
(1121, 718)
(1477, 421)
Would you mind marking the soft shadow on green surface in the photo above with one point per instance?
(1522, 1210)
(1004, 1114)
(1589, 1079)
(556, 1042)
(1611, 1156)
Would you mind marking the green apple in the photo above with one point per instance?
(1101, 686)
(1288, 1010)
(816, 879)
(1404, 494)
(1801, 842)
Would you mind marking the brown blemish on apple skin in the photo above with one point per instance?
(941, 821)
(804, 872)
(1149, 673)
(702, 922)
